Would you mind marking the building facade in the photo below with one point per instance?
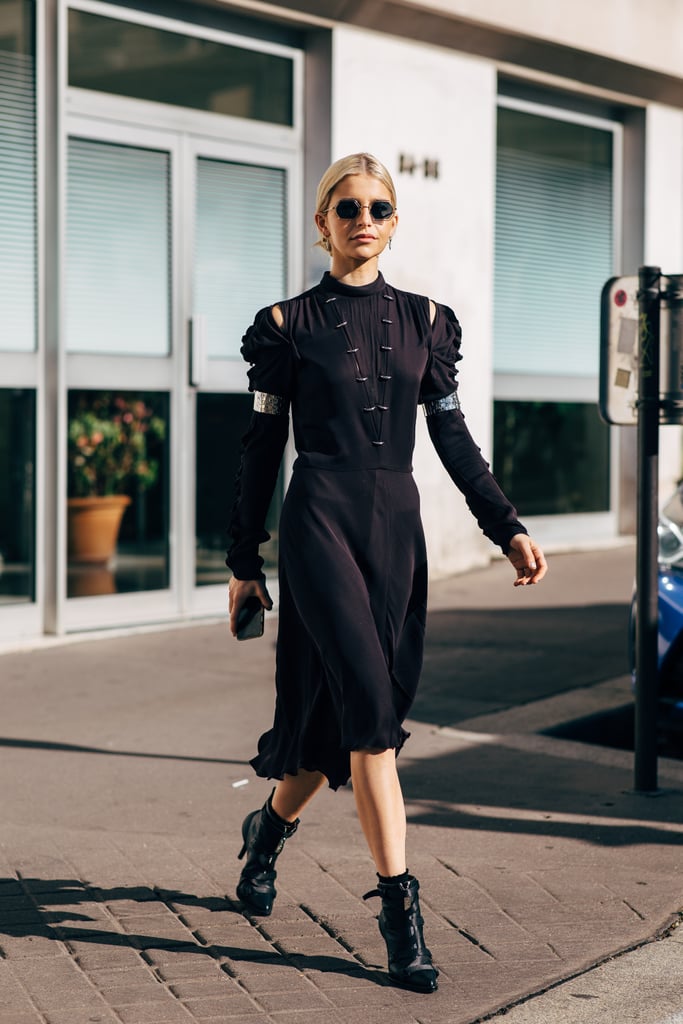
(158, 165)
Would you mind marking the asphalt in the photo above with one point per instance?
(551, 890)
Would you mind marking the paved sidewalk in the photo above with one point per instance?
(124, 762)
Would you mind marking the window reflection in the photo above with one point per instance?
(128, 59)
(117, 492)
(17, 495)
(221, 422)
(552, 458)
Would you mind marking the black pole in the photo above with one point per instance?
(646, 553)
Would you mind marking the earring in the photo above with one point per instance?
(390, 237)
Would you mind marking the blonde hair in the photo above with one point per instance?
(356, 163)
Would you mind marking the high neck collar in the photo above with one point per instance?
(330, 285)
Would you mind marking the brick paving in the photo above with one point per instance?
(120, 833)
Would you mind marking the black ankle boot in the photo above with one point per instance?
(264, 834)
(400, 922)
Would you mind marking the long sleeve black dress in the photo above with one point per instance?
(353, 363)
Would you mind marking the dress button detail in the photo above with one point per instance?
(384, 376)
(378, 444)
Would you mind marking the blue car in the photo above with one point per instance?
(670, 630)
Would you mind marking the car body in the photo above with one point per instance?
(670, 617)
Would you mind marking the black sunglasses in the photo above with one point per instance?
(348, 209)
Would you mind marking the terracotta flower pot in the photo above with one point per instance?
(93, 527)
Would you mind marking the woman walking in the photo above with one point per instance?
(353, 358)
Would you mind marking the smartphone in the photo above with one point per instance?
(250, 619)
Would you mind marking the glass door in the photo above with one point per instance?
(242, 260)
(21, 552)
(173, 243)
(123, 355)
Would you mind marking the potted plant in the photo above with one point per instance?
(107, 460)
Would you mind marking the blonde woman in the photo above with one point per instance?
(352, 358)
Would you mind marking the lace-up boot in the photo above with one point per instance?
(400, 922)
(264, 833)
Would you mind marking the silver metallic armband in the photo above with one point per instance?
(274, 405)
(444, 404)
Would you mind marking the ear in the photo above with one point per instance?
(321, 224)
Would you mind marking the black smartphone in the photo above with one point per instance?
(250, 619)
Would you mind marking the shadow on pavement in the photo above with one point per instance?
(76, 748)
(40, 907)
(497, 789)
(480, 660)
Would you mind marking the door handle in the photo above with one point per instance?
(198, 352)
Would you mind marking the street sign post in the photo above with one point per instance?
(647, 405)
(641, 384)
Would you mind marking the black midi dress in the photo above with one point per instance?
(352, 364)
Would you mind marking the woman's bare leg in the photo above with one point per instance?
(293, 793)
(380, 806)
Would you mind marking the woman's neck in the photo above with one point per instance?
(355, 274)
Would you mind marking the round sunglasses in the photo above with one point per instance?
(348, 209)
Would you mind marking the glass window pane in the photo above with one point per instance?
(553, 244)
(17, 178)
(17, 495)
(118, 445)
(221, 422)
(567, 472)
(240, 248)
(118, 249)
(120, 57)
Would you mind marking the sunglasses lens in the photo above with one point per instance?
(381, 209)
(347, 209)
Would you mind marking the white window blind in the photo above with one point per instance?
(240, 248)
(118, 249)
(17, 204)
(553, 244)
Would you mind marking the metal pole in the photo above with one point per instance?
(646, 557)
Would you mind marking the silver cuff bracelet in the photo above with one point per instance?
(444, 404)
(274, 405)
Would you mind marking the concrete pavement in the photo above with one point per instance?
(124, 762)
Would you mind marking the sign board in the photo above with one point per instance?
(620, 350)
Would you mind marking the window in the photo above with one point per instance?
(240, 248)
(147, 63)
(17, 178)
(118, 492)
(118, 249)
(17, 495)
(554, 252)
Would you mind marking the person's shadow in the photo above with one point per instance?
(36, 907)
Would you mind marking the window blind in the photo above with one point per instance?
(17, 203)
(553, 244)
(118, 249)
(240, 248)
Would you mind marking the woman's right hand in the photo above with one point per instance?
(239, 591)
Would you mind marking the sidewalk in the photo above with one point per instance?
(124, 763)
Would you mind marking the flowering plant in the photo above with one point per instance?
(108, 443)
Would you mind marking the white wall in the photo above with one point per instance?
(664, 239)
(391, 97)
(647, 33)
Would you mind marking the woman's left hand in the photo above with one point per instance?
(528, 560)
